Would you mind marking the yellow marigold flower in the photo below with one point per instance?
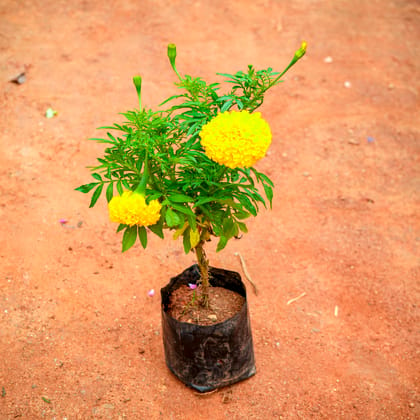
(236, 138)
(131, 209)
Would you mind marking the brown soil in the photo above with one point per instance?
(185, 305)
(80, 337)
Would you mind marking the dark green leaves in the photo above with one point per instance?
(142, 232)
(186, 242)
(157, 229)
(96, 194)
(131, 233)
(129, 238)
(86, 187)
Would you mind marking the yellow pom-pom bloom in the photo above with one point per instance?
(236, 139)
(131, 209)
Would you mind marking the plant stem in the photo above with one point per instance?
(203, 264)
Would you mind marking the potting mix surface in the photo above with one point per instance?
(336, 261)
(187, 306)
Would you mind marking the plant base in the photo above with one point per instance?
(207, 357)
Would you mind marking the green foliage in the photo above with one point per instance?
(199, 197)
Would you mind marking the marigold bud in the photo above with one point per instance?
(137, 84)
(301, 51)
(172, 54)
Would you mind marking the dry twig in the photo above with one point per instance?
(296, 298)
(246, 273)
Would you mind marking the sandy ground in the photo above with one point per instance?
(80, 337)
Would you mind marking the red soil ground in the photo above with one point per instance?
(80, 337)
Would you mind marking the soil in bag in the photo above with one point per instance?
(219, 353)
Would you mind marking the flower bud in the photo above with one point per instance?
(301, 51)
(137, 84)
(172, 54)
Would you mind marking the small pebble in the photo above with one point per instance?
(19, 79)
(212, 317)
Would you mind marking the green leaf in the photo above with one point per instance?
(107, 127)
(86, 187)
(226, 106)
(121, 227)
(129, 238)
(246, 202)
(112, 137)
(192, 222)
(157, 228)
(269, 193)
(186, 241)
(171, 98)
(261, 177)
(205, 200)
(109, 192)
(182, 209)
(239, 103)
(180, 198)
(97, 176)
(108, 173)
(222, 243)
(99, 140)
(242, 215)
(142, 236)
(172, 219)
(96, 195)
(242, 226)
(228, 227)
(119, 188)
(154, 196)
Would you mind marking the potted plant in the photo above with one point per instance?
(189, 168)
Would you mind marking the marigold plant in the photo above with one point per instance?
(189, 166)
